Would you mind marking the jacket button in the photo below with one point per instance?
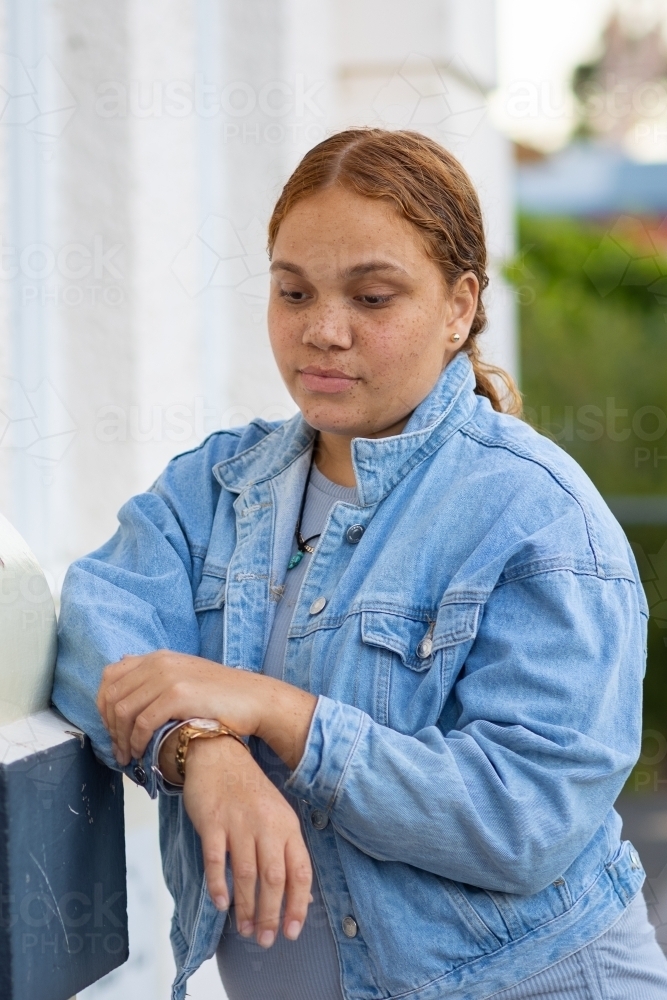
(350, 927)
(634, 860)
(139, 774)
(317, 605)
(319, 819)
(424, 649)
(354, 533)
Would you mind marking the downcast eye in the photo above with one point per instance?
(376, 300)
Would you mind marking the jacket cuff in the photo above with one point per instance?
(145, 771)
(161, 782)
(333, 735)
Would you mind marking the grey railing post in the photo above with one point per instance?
(63, 898)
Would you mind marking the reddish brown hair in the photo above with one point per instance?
(429, 187)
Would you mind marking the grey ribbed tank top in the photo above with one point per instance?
(308, 967)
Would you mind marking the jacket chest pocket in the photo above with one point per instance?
(209, 605)
(418, 660)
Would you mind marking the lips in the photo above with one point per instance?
(330, 380)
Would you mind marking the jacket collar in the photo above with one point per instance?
(379, 463)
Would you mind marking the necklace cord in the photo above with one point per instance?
(301, 542)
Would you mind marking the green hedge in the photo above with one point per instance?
(593, 318)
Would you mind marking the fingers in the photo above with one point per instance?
(112, 673)
(272, 875)
(154, 712)
(248, 817)
(299, 879)
(124, 714)
(214, 849)
(109, 694)
(283, 870)
(244, 870)
(126, 695)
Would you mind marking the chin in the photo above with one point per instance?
(331, 420)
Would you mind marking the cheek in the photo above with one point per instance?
(400, 352)
(283, 337)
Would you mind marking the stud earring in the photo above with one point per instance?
(456, 337)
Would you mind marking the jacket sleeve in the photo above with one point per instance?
(131, 596)
(548, 729)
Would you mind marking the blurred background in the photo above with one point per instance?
(142, 147)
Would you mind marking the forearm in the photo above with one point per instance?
(434, 801)
(285, 719)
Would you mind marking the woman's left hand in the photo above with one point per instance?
(140, 693)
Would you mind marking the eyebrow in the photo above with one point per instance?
(369, 267)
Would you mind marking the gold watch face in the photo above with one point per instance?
(208, 725)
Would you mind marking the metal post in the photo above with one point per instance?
(62, 861)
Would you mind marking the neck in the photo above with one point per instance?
(333, 457)
(333, 452)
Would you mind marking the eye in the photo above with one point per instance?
(375, 300)
(292, 296)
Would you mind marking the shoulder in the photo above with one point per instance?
(217, 447)
(187, 485)
(512, 444)
(548, 492)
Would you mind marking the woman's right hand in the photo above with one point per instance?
(234, 807)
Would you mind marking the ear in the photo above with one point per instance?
(463, 299)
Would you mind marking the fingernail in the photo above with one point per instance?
(246, 928)
(293, 929)
(266, 939)
(221, 902)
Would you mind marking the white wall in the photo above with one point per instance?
(142, 146)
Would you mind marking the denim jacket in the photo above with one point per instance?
(477, 658)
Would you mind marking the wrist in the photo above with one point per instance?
(167, 758)
(180, 742)
(216, 748)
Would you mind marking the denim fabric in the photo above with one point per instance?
(624, 963)
(478, 667)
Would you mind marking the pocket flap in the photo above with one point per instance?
(210, 593)
(456, 622)
(399, 634)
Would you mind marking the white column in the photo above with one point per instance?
(277, 76)
(29, 421)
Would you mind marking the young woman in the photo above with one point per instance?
(416, 613)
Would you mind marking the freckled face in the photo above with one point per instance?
(360, 319)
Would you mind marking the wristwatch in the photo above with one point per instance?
(206, 729)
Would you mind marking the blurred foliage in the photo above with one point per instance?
(649, 544)
(593, 319)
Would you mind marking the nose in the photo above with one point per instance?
(328, 326)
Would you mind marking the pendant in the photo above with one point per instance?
(295, 560)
